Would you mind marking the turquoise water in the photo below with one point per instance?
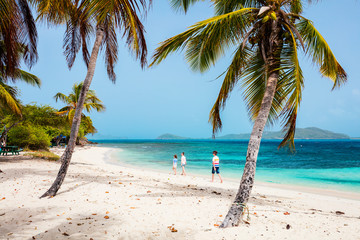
(326, 164)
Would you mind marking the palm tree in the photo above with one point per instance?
(92, 102)
(266, 35)
(17, 34)
(83, 18)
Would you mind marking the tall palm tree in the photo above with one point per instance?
(266, 36)
(92, 102)
(83, 19)
(17, 34)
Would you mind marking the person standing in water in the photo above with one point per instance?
(183, 163)
(215, 166)
(175, 163)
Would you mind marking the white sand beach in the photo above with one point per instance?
(104, 201)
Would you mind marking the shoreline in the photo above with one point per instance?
(110, 159)
(99, 200)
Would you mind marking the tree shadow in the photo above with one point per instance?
(82, 226)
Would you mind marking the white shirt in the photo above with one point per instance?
(183, 160)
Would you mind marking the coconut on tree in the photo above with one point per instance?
(266, 36)
(103, 20)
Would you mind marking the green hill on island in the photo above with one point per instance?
(170, 136)
(301, 133)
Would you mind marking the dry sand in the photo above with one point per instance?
(104, 201)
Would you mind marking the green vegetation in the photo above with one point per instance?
(29, 137)
(38, 125)
(35, 127)
(43, 155)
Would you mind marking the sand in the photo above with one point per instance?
(99, 200)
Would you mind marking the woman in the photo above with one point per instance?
(175, 163)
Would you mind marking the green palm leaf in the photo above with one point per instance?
(321, 54)
(8, 98)
(207, 40)
(233, 73)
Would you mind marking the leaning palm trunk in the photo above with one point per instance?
(234, 215)
(66, 157)
(271, 53)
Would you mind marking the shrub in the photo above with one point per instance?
(30, 137)
(44, 155)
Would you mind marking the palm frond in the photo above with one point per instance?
(232, 76)
(207, 40)
(226, 6)
(111, 48)
(26, 77)
(29, 33)
(96, 106)
(292, 81)
(321, 54)
(18, 36)
(8, 98)
(72, 37)
(62, 97)
(183, 4)
(52, 12)
(126, 17)
(296, 6)
(254, 85)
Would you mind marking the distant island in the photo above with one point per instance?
(301, 133)
(170, 136)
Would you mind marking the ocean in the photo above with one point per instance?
(325, 164)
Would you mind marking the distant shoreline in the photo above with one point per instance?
(216, 139)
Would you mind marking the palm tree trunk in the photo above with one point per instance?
(234, 216)
(66, 157)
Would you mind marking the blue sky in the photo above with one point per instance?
(170, 98)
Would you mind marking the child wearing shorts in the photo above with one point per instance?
(215, 166)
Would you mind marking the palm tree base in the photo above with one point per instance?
(65, 162)
(233, 217)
